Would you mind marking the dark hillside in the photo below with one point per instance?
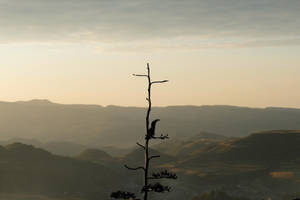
(25, 169)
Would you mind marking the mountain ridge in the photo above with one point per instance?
(47, 101)
(96, 126)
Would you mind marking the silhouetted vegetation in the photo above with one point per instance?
(150, 135)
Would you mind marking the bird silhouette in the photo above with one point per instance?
(151, 131)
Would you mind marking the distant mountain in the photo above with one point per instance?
(35, 102)
(64, 148)
(59, 148)
(96, 126)
(32, 142)
(25, 169)
(97, 156)
(117, 151)
(69, 149)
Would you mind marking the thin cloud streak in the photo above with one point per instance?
(272, 22)
(171, 45)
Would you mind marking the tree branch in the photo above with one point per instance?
(164, 81)
(137, 168)
(161, 137)
(140, 75)
(151, 157)
(141, 145)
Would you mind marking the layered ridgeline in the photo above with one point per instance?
(119, 126)
(262, 165)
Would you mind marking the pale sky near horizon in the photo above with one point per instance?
(228, 52)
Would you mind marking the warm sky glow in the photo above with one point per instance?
(249, 56)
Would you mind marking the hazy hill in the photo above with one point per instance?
(96, 126)
(69, 149)
(64, 148)
(96, 155)
(59, 148)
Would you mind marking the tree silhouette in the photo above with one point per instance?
(150, 135)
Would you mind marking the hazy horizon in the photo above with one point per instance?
(175, 105)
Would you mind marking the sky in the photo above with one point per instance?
(225, 52)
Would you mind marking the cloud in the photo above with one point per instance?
(109, 21)
(174, 45)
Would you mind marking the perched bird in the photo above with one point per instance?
(151, 131)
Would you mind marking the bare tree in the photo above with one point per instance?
(150, 135)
